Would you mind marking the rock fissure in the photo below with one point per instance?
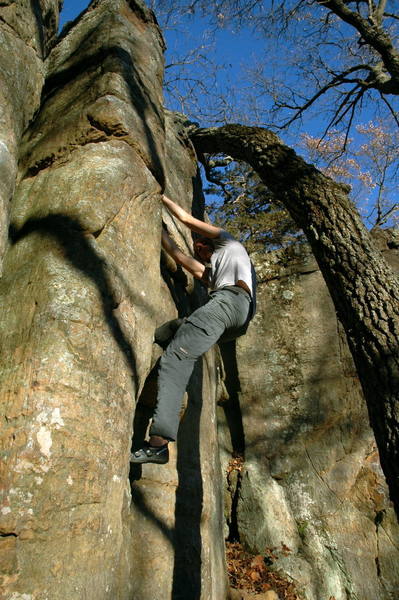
(320, 476)
(87, 137)
(348, 584)
(111, 129)
(44, 163)
(392, 540)
(234, 479)
(117, 132)
(114, 217)
(8, 27)
(8, 535)
(379, 516)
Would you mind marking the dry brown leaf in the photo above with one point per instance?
(258, 562)
(250, 573)
(266, 587)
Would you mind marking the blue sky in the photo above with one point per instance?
(230, 49)
(71, 9)
(234, 52)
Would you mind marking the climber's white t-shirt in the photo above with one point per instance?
(231, 263)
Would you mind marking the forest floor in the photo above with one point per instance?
(251, 574)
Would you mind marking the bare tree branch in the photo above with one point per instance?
(376, 37)
(340, 79)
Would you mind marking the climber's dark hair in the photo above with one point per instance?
(205, 241)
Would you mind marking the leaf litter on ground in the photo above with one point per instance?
(252, 573)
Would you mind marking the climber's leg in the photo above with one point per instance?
(225, 312)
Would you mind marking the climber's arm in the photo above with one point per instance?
(192, 265)
(205, 229)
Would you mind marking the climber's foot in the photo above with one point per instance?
(150, 454)
(165, 333)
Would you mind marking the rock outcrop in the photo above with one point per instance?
(84, 286)
(81, 295)
(311, 494)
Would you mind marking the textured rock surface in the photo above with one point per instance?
(83, 288)
(311, 488)
(81, 295)
(178, 508)
(26, 33)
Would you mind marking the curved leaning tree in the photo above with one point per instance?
(364, 289)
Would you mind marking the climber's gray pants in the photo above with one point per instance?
(224, 317)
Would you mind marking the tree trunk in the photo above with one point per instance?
(364, 289)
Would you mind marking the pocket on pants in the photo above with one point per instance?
(201, 322)
(195, 336)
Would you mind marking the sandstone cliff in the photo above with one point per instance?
(84, 286)
(81, 295)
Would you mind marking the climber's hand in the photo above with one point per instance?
(205, 229)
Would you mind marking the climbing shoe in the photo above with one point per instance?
(150, 454)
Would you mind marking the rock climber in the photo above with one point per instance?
(225, 267)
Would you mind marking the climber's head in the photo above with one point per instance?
(203, 249)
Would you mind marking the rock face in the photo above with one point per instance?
(84, 286)
(81, 295)
(311, 494)
(27, 30)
